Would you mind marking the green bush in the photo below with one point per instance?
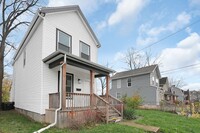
(132, 102)
(129, 114)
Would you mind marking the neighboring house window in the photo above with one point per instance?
(153, 80)
(118, 95)
(156, 82)
(24, 58)
(119, 83)
(129, 82)
(63, 41)
(84, 50)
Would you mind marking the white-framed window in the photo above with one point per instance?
(119, 83)
(24, 58)
(157, 82)
(129, 82)
(153, 80)
(84, 50)
(118, 95)
(64, 41)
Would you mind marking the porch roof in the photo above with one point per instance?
(56, 57)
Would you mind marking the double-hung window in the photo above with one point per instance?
(84, 50)
(129, 82)
(64, 41)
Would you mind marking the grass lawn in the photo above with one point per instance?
(12, 122)
(168, 122)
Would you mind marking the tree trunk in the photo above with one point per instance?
(1, 70)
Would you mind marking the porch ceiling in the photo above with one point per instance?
(57, 57)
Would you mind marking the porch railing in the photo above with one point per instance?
(76, 101)
(115, 103)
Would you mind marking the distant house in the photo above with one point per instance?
(178, 92)
(143, 81)
(55, 68)
(164, 86)
(195, 96)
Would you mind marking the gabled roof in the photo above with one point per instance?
(45, 10)
(135, 72)
(163, 81)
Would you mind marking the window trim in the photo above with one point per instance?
(129, 82)
(57, 43)
(120, 83)
(117, 95)
(80, 49)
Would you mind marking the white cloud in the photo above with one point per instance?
(186, 52)
(148, 34)
(192, 86)
(194, 2)
(88, 6)
(125, 10)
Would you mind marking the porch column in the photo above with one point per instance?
(107, 87)
(64, 69)
(91, 88)
(107, 96)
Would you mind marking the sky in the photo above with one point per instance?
(172, 26)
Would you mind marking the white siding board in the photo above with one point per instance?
(72, 24)
(27, 79)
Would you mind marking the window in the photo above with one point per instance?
(118, 95)
(119, 83)
(129, 82)
(156, 82)
(153, 80)
(84, 50)
(63, 41)
(24, 58)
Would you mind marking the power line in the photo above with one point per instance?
(169, 35)
(170, 70)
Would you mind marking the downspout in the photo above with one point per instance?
(60, 100)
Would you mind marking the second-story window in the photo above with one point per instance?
(84, 50)
(129, 82)
(64, 41)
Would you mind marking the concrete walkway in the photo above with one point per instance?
(144, 127)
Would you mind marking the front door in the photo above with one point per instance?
(69, 83)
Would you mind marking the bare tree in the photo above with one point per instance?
(135, 59)
(178, 82)
(11, 11)
(103, 82)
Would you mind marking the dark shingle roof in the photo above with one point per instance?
(162, 81)
(135, 72)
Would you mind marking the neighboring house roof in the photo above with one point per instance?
(135, 72)
(162, 81)
(41, 13)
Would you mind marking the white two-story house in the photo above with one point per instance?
(55, 67)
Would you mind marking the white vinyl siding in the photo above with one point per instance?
(72, 24)
(119, 83)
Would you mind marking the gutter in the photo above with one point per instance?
(60, 95)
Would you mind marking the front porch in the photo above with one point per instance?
(79, 106)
